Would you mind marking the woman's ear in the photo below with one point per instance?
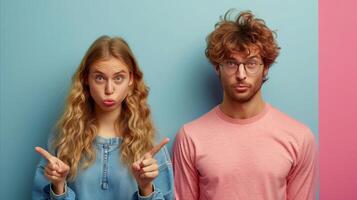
(86, 81)
(131, 80)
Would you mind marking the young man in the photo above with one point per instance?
(244, 148)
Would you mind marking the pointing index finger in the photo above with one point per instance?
(157, 148)
(44, 153)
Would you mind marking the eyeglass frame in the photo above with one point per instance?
(237, 65)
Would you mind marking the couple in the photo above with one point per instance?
(242, 149)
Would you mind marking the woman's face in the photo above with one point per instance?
(109, 82)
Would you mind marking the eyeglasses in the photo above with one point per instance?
(251, 67)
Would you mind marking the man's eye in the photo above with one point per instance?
(251, 63)
(231, 63)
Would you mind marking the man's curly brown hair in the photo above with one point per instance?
(241, 35)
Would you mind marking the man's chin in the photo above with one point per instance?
(240, 98)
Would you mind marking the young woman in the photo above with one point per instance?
(104, 148)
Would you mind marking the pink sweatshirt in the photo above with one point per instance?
(267, 157)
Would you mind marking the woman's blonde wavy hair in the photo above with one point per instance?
(77, 128)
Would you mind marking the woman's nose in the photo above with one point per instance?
(109, 88)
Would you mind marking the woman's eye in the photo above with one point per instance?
(118, 78)
(99, 78)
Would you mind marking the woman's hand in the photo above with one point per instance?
(56, 171)
(146, 169)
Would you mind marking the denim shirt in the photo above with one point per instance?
(107, 178)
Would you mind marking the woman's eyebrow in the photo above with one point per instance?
(116, 73)
(120, 72)
(98, 72)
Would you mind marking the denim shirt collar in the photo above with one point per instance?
(108, 143)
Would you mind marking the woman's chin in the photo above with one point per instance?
(106, 108)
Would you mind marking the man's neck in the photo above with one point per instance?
(106, 123)
(243, 110)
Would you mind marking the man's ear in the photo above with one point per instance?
(216, 69)
(265, 72)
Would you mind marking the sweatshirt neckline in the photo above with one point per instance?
(250, 120)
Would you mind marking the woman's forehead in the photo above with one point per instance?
(109, 65)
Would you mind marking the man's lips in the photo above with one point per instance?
(240, 87)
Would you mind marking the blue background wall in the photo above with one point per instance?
(42, 43)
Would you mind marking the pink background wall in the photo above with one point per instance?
(338, 99)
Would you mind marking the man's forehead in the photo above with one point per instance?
(248, 53)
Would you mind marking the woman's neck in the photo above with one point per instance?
(106, 123)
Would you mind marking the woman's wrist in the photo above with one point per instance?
(58, 188)
(146, 190)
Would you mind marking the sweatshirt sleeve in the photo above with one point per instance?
(302, 178)
(185, 172)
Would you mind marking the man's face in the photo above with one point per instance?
(239, 83)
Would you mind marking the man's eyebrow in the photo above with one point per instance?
(247, 58)
(231, 59)
(252, 57)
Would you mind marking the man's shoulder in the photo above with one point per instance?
(289, 124)
(199, 124)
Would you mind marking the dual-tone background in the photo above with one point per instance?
(42, 43)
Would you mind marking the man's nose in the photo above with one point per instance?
(241, 74)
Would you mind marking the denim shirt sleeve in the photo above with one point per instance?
(164, 183)
(41, 189)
